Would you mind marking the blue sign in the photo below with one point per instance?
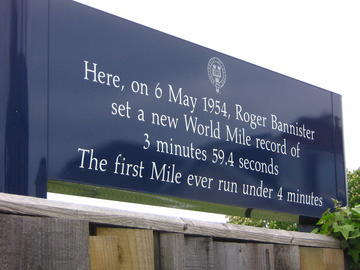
(128, 107)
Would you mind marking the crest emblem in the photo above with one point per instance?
(217, 73)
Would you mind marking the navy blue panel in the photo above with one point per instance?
(5, 48)
(24, 97)
(339, 149)
(82, 124)
(60, 122)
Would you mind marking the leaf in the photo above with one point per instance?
(325, 217)
(344, 230)
(344, 222)
(355, 235)
(316, 230)
(354, 243)
(325, 229)
(356, 210)
(354, 253)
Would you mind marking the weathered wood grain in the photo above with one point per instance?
(157, 250)
(40, 207)
(171, 251)
(241, 256)
(104, 253)
(321, 259)
(334, 258)
(199, 253)
(29, 243)
(133, 250)
(287, 257)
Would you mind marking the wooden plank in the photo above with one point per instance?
(41, 207)
(199, 253)
(311, 258)
(334, 258)
(321, 259)
(157, 250)
(43, 243)
(228, 256)
(244, 256)
(171, 251)
(134, 248)
(104, 253)
(287, 257)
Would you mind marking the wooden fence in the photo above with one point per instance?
(40, 234)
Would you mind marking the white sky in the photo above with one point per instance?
(316, 41)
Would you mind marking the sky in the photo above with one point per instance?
(313, 41)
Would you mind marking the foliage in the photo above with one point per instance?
(353, 179)
(354, 187)
(344, 224)
(270, 224)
